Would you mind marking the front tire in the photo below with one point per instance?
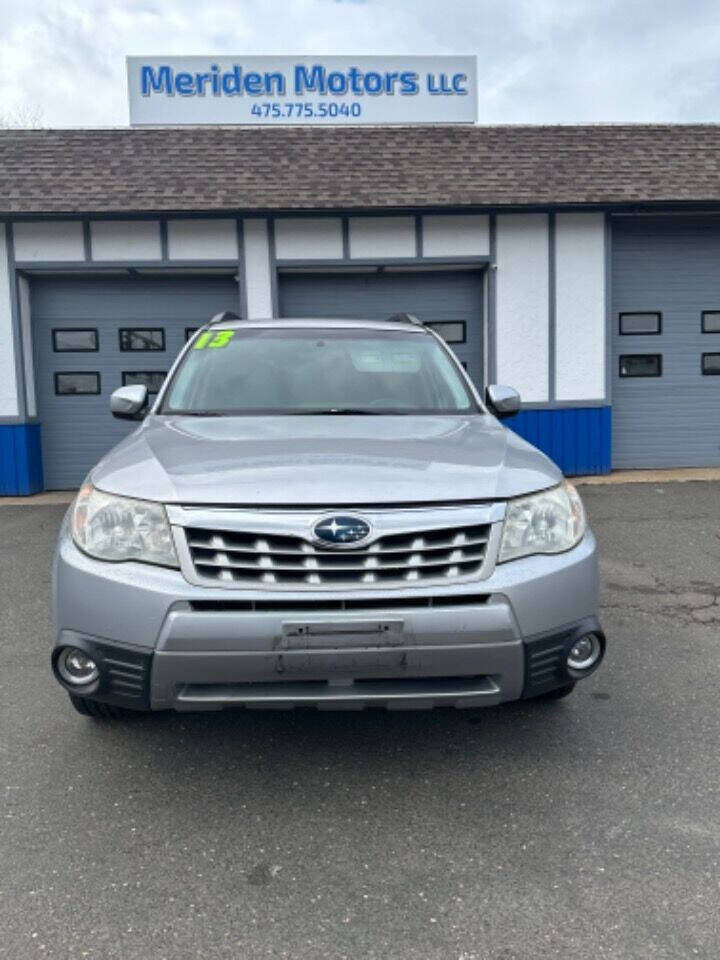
(101, 711)
(559, 693)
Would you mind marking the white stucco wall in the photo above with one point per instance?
(202, 239)
(125, 240)
(382, 236)
(522, 304)
(257, 269)
(580, 306)
(522, 278)
(8, 381)
(455, 236)
(305, 238)
(60, 240)
(26, 331)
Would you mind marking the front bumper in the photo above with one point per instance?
(164, 643)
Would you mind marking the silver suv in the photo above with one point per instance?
(325, 513)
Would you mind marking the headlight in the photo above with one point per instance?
(547, 522)
(118, 528)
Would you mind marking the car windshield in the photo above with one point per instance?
(318, 371)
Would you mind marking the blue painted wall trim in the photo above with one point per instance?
(20, 459)
(576, 438)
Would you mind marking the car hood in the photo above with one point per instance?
(323, 461)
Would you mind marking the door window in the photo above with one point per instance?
(152, 379)
(76, 384)
(452, 331)
(711, 364)
(641, 365)
(640, 324)
(75, 340)
(710, 321)
(139, 339)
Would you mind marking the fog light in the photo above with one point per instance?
(76, 667)
(584, 653)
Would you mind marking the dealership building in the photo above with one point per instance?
(579, 264)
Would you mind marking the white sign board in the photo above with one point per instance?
(301, 90)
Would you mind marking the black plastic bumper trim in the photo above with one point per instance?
(546, 656)
(124, 679)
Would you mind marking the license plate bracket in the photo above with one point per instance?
(316, 634)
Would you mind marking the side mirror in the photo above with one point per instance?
(129, 403)
(502, 401)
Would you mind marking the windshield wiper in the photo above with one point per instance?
(329, 412)
(337, 412)
(195, 413)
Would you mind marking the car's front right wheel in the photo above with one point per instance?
(558, 693)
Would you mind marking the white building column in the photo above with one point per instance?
(258, 266)
(580, 306)
(9, 406)
(523, 304)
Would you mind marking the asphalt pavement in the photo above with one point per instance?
(580, 830)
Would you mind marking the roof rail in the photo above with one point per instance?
(405, 318)
(222, 317)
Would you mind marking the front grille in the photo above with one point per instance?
(251, 559)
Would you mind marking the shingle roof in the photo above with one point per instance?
(316, 168)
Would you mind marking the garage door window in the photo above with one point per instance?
(452, 331)
(190, 331)
(77, 384)
(640, 324)
(139, 339)
(74, 340)
(711, 321)
(152, 379)
(641, 365)
(711, 364)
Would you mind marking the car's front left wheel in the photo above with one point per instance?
(101, 711)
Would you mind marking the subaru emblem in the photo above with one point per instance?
(341, 530)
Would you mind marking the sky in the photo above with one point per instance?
(539, 61)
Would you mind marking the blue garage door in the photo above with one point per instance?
(666, 341)
(448, 300)
(93, 335)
